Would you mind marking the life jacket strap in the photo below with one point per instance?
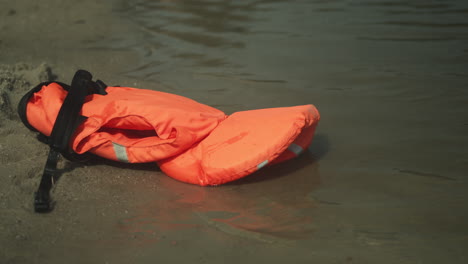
(68, 119)
(42, 201)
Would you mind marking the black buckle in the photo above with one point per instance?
(42, 201)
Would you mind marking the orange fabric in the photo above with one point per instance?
(191, 142)
(152, 125)
(242, 143)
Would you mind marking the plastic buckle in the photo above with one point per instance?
(42, 202)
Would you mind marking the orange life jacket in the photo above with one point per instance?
(190, 141)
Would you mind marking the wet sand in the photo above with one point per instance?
(383, 182)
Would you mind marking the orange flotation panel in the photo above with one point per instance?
(190, 141)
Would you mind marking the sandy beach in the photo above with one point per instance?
(383, 182)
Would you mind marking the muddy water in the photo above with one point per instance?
(385, 180)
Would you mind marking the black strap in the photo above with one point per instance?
(68, 119)
(98, 87)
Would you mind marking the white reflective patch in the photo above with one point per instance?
(296, 149)
(263, 164)
(120, 152)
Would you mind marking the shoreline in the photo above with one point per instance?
(66, 36)
(383, 182)
(49, 41)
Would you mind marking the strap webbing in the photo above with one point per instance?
(65, 125)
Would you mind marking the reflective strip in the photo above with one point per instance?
(296, 149)
(261, 165)
(120, 152)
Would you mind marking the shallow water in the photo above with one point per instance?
(386, 175)
(385, 179)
